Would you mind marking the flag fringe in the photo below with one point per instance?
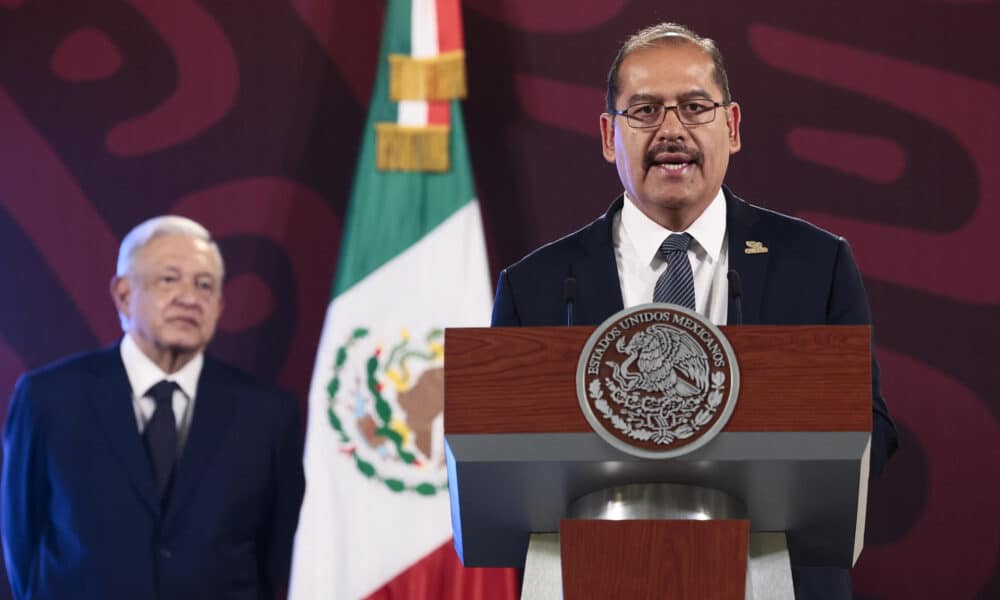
(439, 77)
(409, 148)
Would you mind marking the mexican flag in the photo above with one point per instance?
(375, 521)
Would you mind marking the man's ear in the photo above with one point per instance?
(121, 293)
(608, 137)
(733, 117)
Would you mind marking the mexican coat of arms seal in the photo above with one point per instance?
(657, 380)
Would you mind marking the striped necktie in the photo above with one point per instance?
(676, 284)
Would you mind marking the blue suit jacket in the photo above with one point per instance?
(82, 519)
(807, 277)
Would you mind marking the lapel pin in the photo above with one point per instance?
(755, 248)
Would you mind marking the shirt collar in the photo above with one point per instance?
(143, 373)
(708, 230)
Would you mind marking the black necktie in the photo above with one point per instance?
(676, 284)
(161, 435)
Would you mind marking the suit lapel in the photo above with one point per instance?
(214, 408)
(113, 404)
(742, 227)
(596, 272)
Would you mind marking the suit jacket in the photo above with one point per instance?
(808, 276)
(81, 517)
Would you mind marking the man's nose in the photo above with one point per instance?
(671, 127)
(187, 293)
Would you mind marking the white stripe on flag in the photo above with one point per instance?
(355, 534)
(412, 112)
(424, 28)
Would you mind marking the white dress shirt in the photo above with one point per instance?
(143, 373)
(637, 240)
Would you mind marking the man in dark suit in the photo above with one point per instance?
(149, 470)
(670, 127)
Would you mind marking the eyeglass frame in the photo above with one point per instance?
(666, 108)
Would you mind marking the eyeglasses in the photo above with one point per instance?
(645, 115)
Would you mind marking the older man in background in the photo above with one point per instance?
(149, 470)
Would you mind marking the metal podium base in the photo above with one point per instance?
(657, 501)
(769, 574)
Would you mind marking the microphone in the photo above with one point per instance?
(736, 293)
(569, 298)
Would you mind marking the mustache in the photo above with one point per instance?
(672, 147)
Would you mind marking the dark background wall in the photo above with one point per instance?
(874, 120)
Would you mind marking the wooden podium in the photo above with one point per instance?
(795, 453)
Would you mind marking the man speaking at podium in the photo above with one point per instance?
(677, 235)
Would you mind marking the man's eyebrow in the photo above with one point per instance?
(638, 98)
(695, 93)
(688, 95)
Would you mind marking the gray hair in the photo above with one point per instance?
(664, 33)
(144, 232)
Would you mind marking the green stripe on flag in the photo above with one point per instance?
(396, 39)
(390, 211)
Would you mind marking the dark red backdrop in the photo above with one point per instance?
(877, 122)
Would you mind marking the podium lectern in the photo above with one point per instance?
(794, 454)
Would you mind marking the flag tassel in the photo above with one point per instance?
(409, 148)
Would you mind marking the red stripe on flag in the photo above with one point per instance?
(449, 16)
(439, 112)
(441, 576)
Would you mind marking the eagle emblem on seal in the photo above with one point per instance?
(666, 360)
(657, 380)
